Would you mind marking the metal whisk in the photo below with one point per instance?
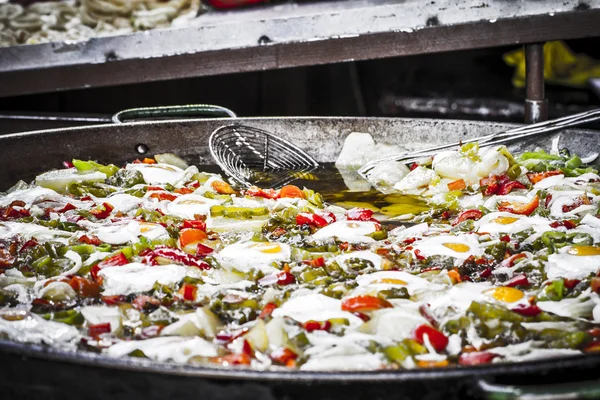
(492, 139)
(253, 156)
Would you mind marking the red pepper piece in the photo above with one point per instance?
(98, 329)
(535, 177)
(508, 187)
(164, 196)
(202, 250)
(438, 340)
(414, 166)
(311, 326)
(321, 219)
(567, 224)
(68, 164)
(517, 280)
(489, 185)
(362, 316)
(468, 214)
(509, 262)
(419, 255)
(359, 214)
(28, 244)
(85, 287)
(173, 254)
(114, 300)
(103, 211)
(364, 303)
(258, 192)
(505, 238)
(571, 283)
(195, 224)
(114, 261)
(283, 355)
(476, 358)
(285, 278)
(527, 311)
(189, 291)
(90, 240)
(267, 310)
(485, 273)
(316, 263)
(520, 208)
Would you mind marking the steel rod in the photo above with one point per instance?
(536, 106)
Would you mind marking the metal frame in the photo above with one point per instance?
(292, 35)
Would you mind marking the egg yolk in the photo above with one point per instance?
(268, 248)
(584, 251)
(458, 247)
(507, 294)
(146, 227)
(392, 281)
(505, 220)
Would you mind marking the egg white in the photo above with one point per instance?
(347, 231)
(252, 255)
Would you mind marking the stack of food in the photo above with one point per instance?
(70, 20)
(159, 260)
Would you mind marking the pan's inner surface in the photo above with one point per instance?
(327, 181)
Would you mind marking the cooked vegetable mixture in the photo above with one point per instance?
(162, 261)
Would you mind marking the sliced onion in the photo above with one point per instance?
(171, 159)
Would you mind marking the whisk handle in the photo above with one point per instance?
(189, 111)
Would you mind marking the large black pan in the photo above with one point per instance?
(33, 371)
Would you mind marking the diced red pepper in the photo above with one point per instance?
(68, 164)
(285, 278)
(485, 273)
(517, 280)
(595, 285)
(359, 214)
(535, 177)
(114, 300)
(267, 310)
(164, 196)
(14, 211)
(98, 329)
(233, 359)
(195, 224)
(414, 166)
(321, 219)
(173, 254)
(571, 283)
(459, 184)
(509, 262)
(310, 326)
(202, 250)
(566, 223)
(283, 355)
(85, 287)
(508, 187)
(316, 263)
(489, 185)
(445, 215)
(476, 358)
(438, 340)
(419, 255)
(90, 240)
(505, 238)
(362, 316)
(527, 311)
(520, 208)
(291, 192)
(189, 291)
(468, 214)
(548, 200)
(364, 303)
(183, 190)
(114, 261)
(103, 211)
(28, 244)
(258, 192)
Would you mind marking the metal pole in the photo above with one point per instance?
(536, 106)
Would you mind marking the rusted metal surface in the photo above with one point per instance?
(536, 105)
(293, 35)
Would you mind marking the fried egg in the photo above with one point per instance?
(189, 205)
(129, 232)
(254, 255)
(454, 165)
(156, 174)
(459, 296)
(138, 277)
(348, 231)
(315, 307)
(573, 262)
(504, 222)
(459, 247)
(389, 279)
(367, 255)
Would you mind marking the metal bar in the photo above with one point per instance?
(299, 35)
(536, 105)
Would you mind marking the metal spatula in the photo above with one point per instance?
(492, 139)
(253, 156)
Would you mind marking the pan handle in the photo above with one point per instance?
(192, 110)
(560, 391)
